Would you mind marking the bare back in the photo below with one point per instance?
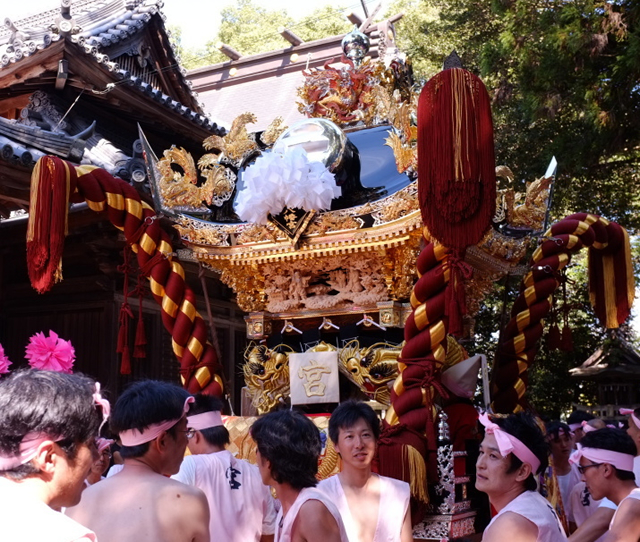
(138, 505)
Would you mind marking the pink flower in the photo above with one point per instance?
(50, 353)
(4, 362)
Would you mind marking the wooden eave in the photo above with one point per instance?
(39, 71)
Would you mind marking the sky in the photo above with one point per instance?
(199, 19)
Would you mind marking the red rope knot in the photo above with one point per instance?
(427, 379)
(387, 434)
(455, 304)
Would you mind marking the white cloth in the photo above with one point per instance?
(115, 469)
(583, 505)
(534, 507)
(284, 525)
(26, 519)
(241, 506)
(394, 503)
(566, 483)
(635, 494)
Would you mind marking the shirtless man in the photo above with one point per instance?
(288, 448)
(140, 503)
(374, 508)
(48, 427)
(241, 506)
(512, 452)
(606, 463)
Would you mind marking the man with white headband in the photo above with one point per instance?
(48, 427)
(574, 421)
(241, 506)
(598, 523)
(512, 452)
(141, 503)
(606, 462)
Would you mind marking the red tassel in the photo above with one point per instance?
(125, 365)
(52, 181)
(456, 162)
(554, 341)
(139, 350)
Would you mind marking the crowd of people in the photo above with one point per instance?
(575, 480)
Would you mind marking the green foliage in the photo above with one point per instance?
(324, 22)
(251, 29)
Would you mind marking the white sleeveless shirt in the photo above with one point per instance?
(534, 507)
(394, 502)
(284, 525)
(635, 494)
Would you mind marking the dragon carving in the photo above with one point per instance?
(266, 374)
(236, 146)
(180, 189)
(373, 369)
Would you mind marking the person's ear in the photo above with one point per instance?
(608, 471)
(47, 456)
(523, 472)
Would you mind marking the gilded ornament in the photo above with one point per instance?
(373, 369)
(273, 132)
(181, 190)
(266, 374)
(237, 145)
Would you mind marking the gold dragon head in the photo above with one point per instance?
(372, 369)
(266, 374)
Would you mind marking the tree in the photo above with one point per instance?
(250, 29)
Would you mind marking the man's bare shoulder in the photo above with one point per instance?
(513, 527)
(315, 523)
(626, 525)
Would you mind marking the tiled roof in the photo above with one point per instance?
(95, 25)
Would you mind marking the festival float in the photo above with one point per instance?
(360, 243)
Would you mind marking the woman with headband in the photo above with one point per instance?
(512, 452)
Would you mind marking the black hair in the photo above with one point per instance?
(57, 404)
(615, 440)
(216, 436)
(523, 426)
(145, 403)
(347, 415)
(554, 429)
(291, 443)
(579, 416)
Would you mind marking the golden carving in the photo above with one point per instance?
(182, 190)
(400, 267)
(372, 369)
(247, 282)
(237, 145)
(273, 131)
(322, 283)
(266, 374)
(343, 96)
(312, 376)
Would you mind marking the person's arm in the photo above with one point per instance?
(594, 526)
(626, 527)
(512, 527)
(199, 517)
(406, 535)
(315, 523)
